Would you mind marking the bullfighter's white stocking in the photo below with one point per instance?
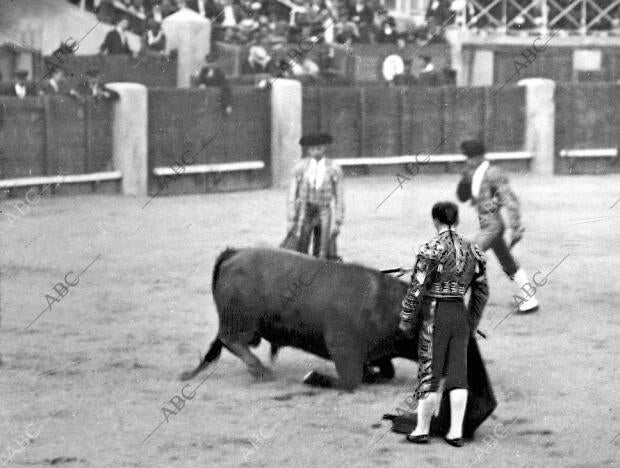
(426, 408)
(458, 402)
(526, 291)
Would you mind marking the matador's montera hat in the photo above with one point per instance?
(316, 139)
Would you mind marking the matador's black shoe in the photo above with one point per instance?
(418, 439)
(454, 442)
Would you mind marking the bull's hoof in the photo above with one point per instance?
(263, 375)
(316, 379)
(387, 370)
(372, 378)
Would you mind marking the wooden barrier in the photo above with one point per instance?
(206, 149)
(42, 137)
(586, 133)
(379, 122)
(193, 146)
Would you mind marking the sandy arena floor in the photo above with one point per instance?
(85, 384)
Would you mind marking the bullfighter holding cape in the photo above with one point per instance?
(315, 207)
(445, 269)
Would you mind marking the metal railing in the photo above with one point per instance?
(581, 16)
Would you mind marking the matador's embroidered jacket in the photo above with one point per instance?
(447, 267)
(329, 195)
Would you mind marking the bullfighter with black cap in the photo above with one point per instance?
(489, 191)
(316, 202)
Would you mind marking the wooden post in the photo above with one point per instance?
(286, 122)
(404, 146)
(362, 123)
(545, 17)
(129, 136)
(504, 16)
(540, 123)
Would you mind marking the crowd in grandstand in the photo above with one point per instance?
(251, 21)
(55, 83)
(241, 21)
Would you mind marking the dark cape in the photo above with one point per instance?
(481, 401)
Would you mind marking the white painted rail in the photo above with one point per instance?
(60, 179)
(206, 168)
(425, 159)
(590, 153)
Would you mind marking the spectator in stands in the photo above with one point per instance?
(168, 7)
(346, 31)
(154, 39)
(448, 76)
(331, 76)
(210, 75)
(428, 75)
(156, 14)
(115, 41)
(259, 61)
(231, 14)
(199, 6)
(363, 16)
(57, 84)
(305, 66)
(93, 87)
(428, 64)
(135, 7)
(20, 87)
(401, 43)
(387, 27)
(439, 14)
(405, 78)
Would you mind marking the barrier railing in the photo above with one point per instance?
(422, 159)
(583, 16)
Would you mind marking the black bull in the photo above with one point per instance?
(343, 312)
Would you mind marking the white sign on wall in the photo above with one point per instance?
(587, 60)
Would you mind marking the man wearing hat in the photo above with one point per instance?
(259, 61)
(489, 191)
(21, 87)
(57, 84)
(154, 39)
(93, 87)
(405, 78)
(316, 200)
(428, 75)
(115, 41)
(211, 75)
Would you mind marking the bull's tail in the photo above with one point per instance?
(225, 255)
(214, 352)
